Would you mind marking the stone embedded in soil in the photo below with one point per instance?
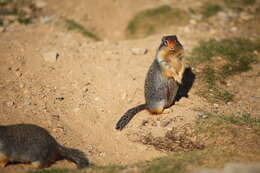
(2, 29)
(215, 105)
(245, 16)
(27, 102)
(21, 85)
(139, 51)
(166, 122)
(40, 4)
(111, 52)
(51, 56)
(9, 103)
(201, 114)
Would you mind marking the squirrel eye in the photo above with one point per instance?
(165, 42)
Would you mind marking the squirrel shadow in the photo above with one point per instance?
(187, 82)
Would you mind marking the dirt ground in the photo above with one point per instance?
(80, 96)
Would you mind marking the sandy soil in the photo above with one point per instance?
(80, 97)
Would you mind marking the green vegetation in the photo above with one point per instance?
(209, 9)
(25, 21)
(5, 2)
(217, 120)
(22, 11)
(72, 25)
(220, 59)
(107, 169)
(149, 21)
(238, 4)
(52, 170)
(92, 169)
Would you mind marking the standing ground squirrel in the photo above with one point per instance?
(27, 143)
(162, 80)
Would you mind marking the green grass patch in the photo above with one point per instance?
(209, 9)
(25, 21)
(72, 25)
(237, 52)
(217, 125)
(92, 169)
(106, 169)
(238, 4)
(152, 20)
(220, 59)
(5, 2)
(52, 170)
(22, 11)
(243, 119)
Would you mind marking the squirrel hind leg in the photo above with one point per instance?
(4, 160)
(36, 165)
(156, 108)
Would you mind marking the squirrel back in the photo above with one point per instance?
(28, 143)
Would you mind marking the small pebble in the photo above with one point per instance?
(51, 56)
(165, 123)
(40, 4)
(139, 51)
(27, 102)
(215, 105)
(9, 103)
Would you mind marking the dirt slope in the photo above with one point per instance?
(80, 97)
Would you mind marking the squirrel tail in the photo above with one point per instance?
(124, 120)
(74, 155)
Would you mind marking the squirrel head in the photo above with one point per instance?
(171, 44)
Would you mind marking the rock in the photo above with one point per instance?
(9, 103)
(245, 16)
(51, 56)
(200, 114)
(144, 122)
(165, 123)
(111, 52)
(27, 102)
(139, 51)
(77, 109)
(193, 21)
(197, 17)
(45, 19)
(40, 4)
(215, 105)
(2, 29)
(223, 17)
(21, 85)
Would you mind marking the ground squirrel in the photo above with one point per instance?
(162, 80)
(27, 143)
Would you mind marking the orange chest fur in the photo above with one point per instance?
(175, 62)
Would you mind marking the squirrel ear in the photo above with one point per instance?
(163, 38)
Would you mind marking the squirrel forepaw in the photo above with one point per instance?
(179, 81)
